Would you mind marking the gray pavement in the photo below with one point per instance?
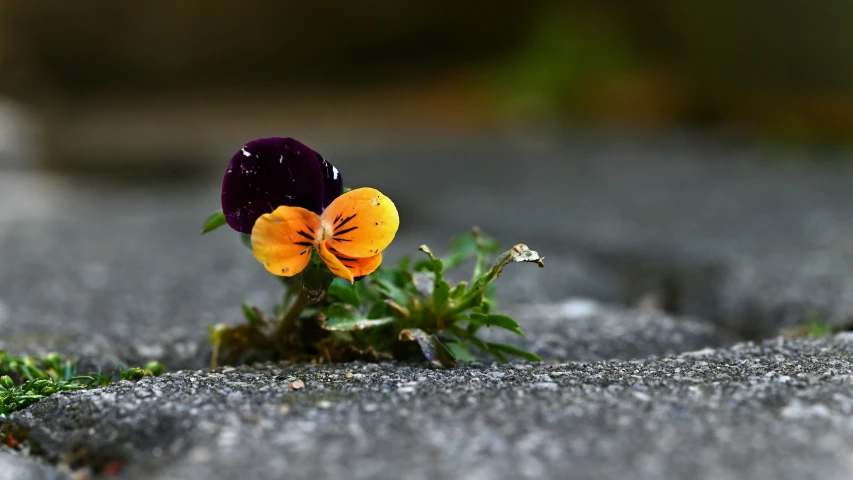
(777, 410)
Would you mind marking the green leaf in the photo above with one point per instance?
(133, 374)
(246, 239)
(405, 263)
(441, 294)
(423, 266)
(485, 248)
(494, 320)
(495, 348)
(379, 310)
(460, 351)
(475, 296)
(31, 390)
(438, 269)
(362, 289)
(399, 310)
(486, 307)
(471, 337)
(434, 265)
(344, 292)
(251, 314)
(214, 221)
(391, 291)
(310, 312)
(458, 290)
(497, 354)
(432, 348)
(340, 317)
(354, 325)
(447, 336)
(468, 245)
(490, 294)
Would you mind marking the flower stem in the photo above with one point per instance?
(288, 321)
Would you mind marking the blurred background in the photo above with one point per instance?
(169, 84)
(695, 151)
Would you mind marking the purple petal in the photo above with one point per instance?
(333, 182)
(270, 172)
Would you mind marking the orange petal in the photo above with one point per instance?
(357, 267)
(334, 264)
(282, 240)
(362, 222)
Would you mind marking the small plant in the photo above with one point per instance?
(325, 244)
(813, 325)
(26, 380)
(818, 328)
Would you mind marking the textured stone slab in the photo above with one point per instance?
(585, 330)
(778, 410)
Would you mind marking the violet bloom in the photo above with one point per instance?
(270, 172)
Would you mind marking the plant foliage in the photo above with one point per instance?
(403, 312)
(26, 380)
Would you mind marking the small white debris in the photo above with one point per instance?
(698, 353)
(521, 253)
(245, 153)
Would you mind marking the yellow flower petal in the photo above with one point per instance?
(282, 240)
(361, 222)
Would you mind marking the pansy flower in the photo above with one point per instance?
(290, 199)
(349, 235)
